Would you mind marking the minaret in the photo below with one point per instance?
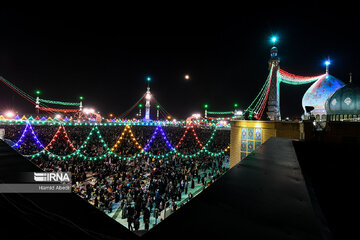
(273, 104)
(148, 98)
(327, 63)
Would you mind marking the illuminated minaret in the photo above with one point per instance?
(273, 104)
(148, 98)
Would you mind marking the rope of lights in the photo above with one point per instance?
(220, 113)
(163, 137)
(260, 103)
(260, 97)
(108, 152)
(22, 93)
(293, 79)
(162, 108)
(59, 110)
(132, 107)
(59, 102)
(184, 135)
(62, 130)
(118, 141)
(48, 121)
(18, 91)
(259, 114)
(21, 139)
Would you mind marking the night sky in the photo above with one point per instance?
(104, 53)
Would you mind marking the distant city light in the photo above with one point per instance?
(196, 115)
(236, 105)
(81, 98)
(58, 116)
(327, 62)
(238, 113)
(88, 110)
(222, 123)
(38, 92)
(140, 105)
(148, 96)
(206, 106)
(9, 114)
(148, 79)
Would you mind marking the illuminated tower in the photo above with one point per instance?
(147, 104)
(273, 104)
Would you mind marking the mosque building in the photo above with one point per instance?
(344, 104)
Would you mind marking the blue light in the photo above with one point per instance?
(327, 62)
(274, 39)
(148, 79)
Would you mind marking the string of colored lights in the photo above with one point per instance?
(163, 137)
(184, 135)
(59, 102)
(18, 91)
(259, 99)
(62, 130)
(59, 110)
(24, 94)
(211, 122)
(259, 115)
(21, 139)
(132, 107)
(108, 151)
(162, 108)
(264, 102)
(220, 113)
(289, 78)
(118, 141)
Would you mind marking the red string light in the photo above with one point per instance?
(184, 135)
(62, 130)
(59, 110)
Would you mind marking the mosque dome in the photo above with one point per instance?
(344, 103)
(319, 92)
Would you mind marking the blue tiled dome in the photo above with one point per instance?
(319, 92)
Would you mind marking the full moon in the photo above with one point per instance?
(187, 77)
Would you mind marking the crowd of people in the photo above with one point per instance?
(142, 187)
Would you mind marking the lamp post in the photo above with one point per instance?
(206, 106)
(37, 106)
(157, 111)
(327, 63)
(140, 106)
(81, 106)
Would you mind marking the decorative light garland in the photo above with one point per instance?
(21, 139)
(220, 113)
(126, 129)
(163, 137)
(185, 133)
(59, 102)
(292, 79)
(62, 130)
(59, 110)
(108, 151)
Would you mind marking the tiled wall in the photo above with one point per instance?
(250, 140)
